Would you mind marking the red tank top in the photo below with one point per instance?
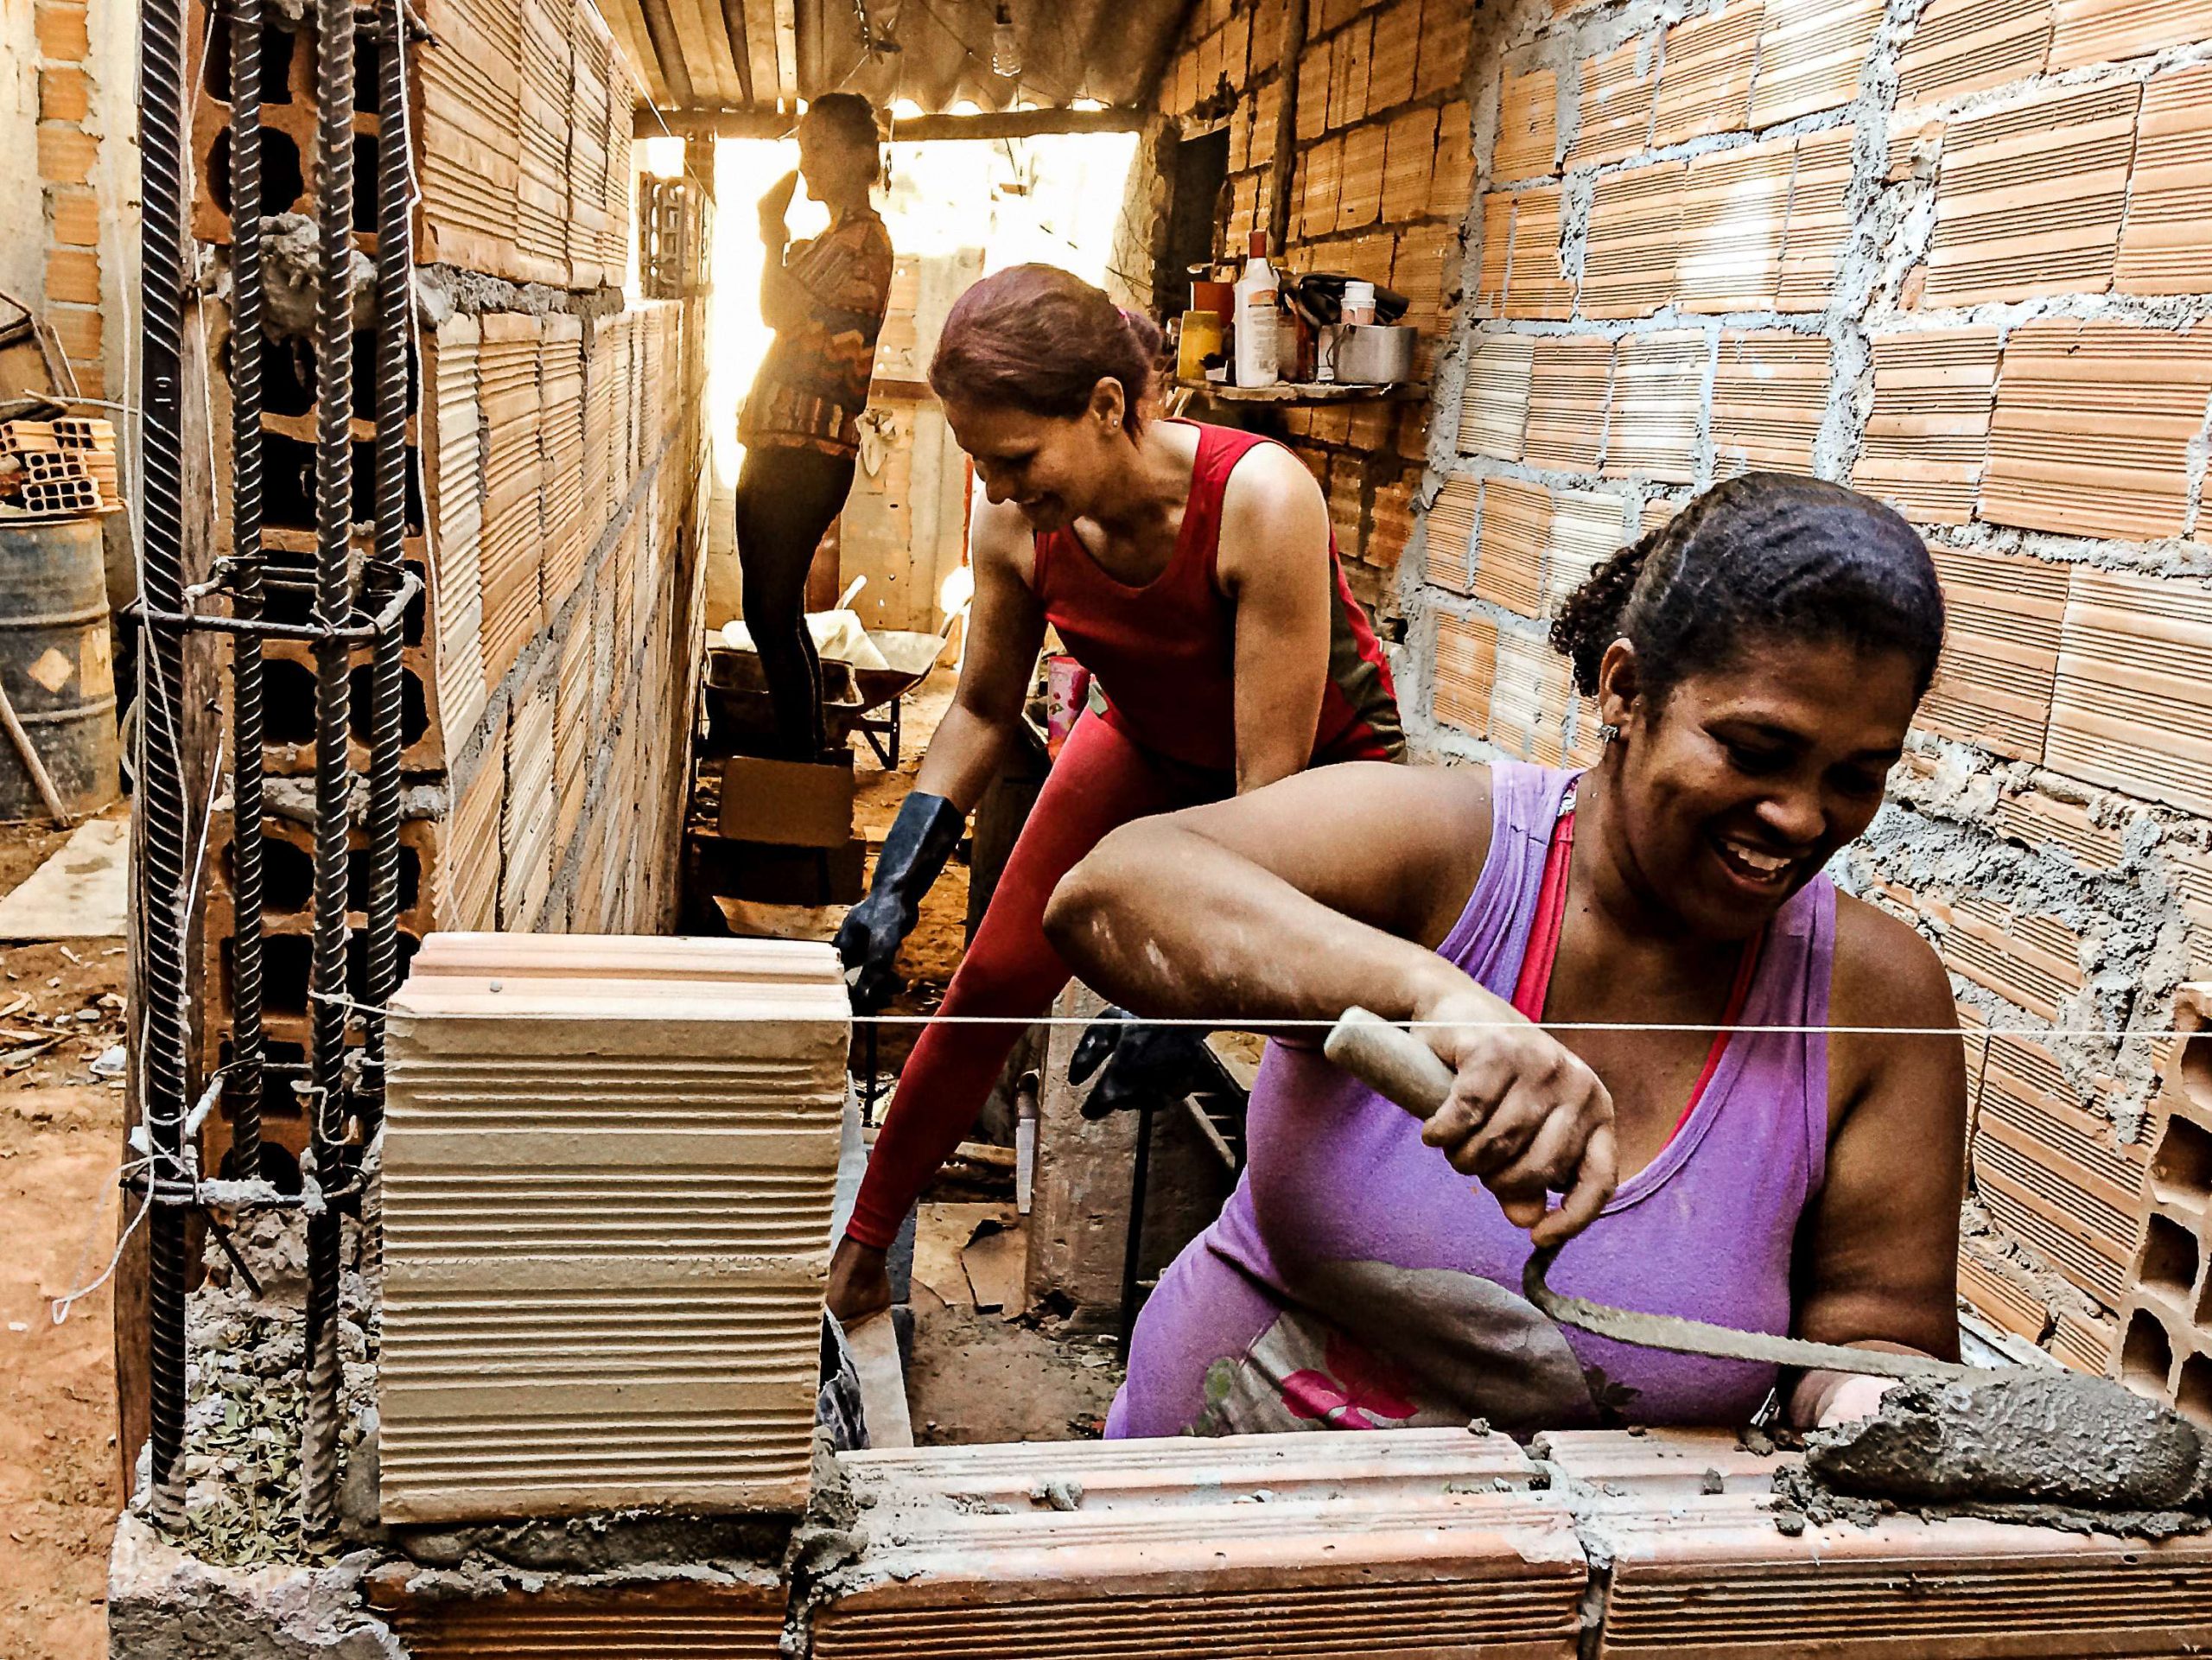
(1164, 654)
(1531, 989)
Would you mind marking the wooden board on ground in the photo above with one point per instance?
(79, 893)
(874, 1347)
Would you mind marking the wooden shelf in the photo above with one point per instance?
(1315, 392)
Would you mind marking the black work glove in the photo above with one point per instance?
(922, 838)
(1143, 1063)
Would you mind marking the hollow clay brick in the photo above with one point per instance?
(2092, 429)
(2097, 31)
(1449, 552)
(590, 1139)
(1494, 405)
(1396, 1542)
(1527, 130)
(1509, 539)
(1769, 392)
(2030, 198)
(1616, 90)
(1658, 391)
(1811, 55)
(2165, 246)
(1570, 378)
(1466, 669)
(1927, 438)
(1971, 45)
(1705, 80)
(2131, 696)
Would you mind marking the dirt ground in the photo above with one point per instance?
(59, 1129)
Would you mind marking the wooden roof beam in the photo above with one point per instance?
(1002, 124)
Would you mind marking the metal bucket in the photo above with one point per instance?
(56, 666)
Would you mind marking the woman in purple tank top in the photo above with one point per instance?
(1756, 662)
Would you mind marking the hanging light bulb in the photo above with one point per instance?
(1006, 50)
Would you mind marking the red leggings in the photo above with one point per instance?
(1102, 780)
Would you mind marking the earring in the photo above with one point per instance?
(1606, 734)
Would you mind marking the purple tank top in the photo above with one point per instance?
(1385, 1286)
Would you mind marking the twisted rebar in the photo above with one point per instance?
(162, 922)
(247, 1048)
(333, 601)
(395, 262)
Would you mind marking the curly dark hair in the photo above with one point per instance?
(1765, 555)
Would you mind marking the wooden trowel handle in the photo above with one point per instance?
(1390, 1060)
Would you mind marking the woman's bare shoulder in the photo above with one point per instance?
(1883, 973)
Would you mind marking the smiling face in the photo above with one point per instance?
(1050, 466)
(1742, 781)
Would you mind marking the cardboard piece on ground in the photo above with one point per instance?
(874, 1346)
(81, 891)
(787, 802)
(995, 1260)
(941, 1235)
(757, 919)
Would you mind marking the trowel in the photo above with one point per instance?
(2008, 1436)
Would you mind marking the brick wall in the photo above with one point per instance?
(547, 680)
(1956, 252)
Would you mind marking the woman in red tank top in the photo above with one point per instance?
(1194, 571)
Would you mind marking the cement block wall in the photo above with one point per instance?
(554, 513)
(1947, 250)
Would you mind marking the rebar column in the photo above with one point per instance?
(333, 604)
(395, 264)
(247, 1050)
(163, 899)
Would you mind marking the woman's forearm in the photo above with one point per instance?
(964, 755)
(1173, 924)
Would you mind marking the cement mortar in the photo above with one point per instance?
(291, 254)
(600, 1542)
(165, 1604)
(2032, 1436)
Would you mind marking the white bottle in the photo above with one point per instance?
(1258, 328)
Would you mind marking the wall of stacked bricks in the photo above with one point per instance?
(71, 158)
(552, 508)
(1955, 252)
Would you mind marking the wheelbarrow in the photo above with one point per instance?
(863, 697)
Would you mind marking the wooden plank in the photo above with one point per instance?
(625, 21)
(706, 51)
(732, 123)
(786, 56)
(760, 46)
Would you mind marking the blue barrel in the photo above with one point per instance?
(57, 666)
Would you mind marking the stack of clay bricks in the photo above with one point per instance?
(525, 136)
(608, 1171)
(1956, 255)
(552, 512)
(59, 468)
(1446, 1542)
(1341, 1547)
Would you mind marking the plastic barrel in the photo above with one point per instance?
(56, 666)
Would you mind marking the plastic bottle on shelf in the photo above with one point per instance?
(1259, 332)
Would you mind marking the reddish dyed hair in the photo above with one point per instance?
(1041, 339)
